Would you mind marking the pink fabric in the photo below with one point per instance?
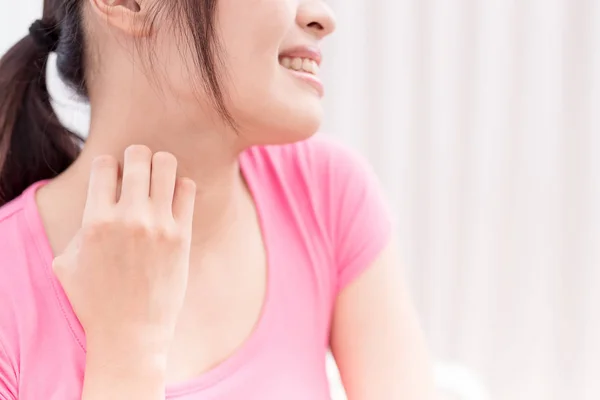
(323, 220)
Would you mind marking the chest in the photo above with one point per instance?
(254, 325)
(224, 305)
(256, 335)
(258, 300)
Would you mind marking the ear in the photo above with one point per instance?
(127, 16)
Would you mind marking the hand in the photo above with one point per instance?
(125, 273)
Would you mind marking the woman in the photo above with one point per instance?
(208, 247)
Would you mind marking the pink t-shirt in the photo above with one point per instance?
(324, 221)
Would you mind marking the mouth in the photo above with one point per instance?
(307, 65)
(304, 64)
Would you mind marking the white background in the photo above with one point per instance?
(482, 118)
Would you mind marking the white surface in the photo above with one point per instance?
(15, 18)
(482, 119)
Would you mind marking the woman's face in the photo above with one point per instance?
(270, 54)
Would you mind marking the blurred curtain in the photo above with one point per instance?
(482, 118)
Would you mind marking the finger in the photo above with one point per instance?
(162, 182)
(102, 187)
(183, 202)
(135, 185)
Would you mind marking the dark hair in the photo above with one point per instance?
(34, 145)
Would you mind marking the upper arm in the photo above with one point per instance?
(375, 336)
(376, 339)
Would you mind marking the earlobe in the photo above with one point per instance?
(125, 15)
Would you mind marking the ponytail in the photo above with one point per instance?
(34, 145)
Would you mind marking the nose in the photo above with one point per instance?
(316, 17)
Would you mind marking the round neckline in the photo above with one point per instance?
(210, 378)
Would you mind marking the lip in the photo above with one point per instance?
(310, 52)
(309, 79)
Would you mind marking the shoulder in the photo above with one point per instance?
(10, 212)
(320, 174)
(322, 161)
(11, 265)
(19, 285)
(17, 250)
(335, 186)
(345, 195)
(12, 221)
(15, 218)
(318, 151)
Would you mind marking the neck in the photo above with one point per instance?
(207, 156)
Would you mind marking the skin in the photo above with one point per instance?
(145, 216)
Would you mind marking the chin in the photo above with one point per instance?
(294, 128)
(283, 125)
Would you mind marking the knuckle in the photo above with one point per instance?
(167, 235)
(138, 227)
(97, 228)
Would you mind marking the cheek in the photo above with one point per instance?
(254, 28)
(252, 32)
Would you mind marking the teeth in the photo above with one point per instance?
(297, 64)
(307, 65)
(300, 64)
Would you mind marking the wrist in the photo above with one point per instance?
(124, 374)
(139, 350)
(126, 356)
(146, 340)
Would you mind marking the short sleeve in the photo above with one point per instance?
(8, 380)
(360, 218)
